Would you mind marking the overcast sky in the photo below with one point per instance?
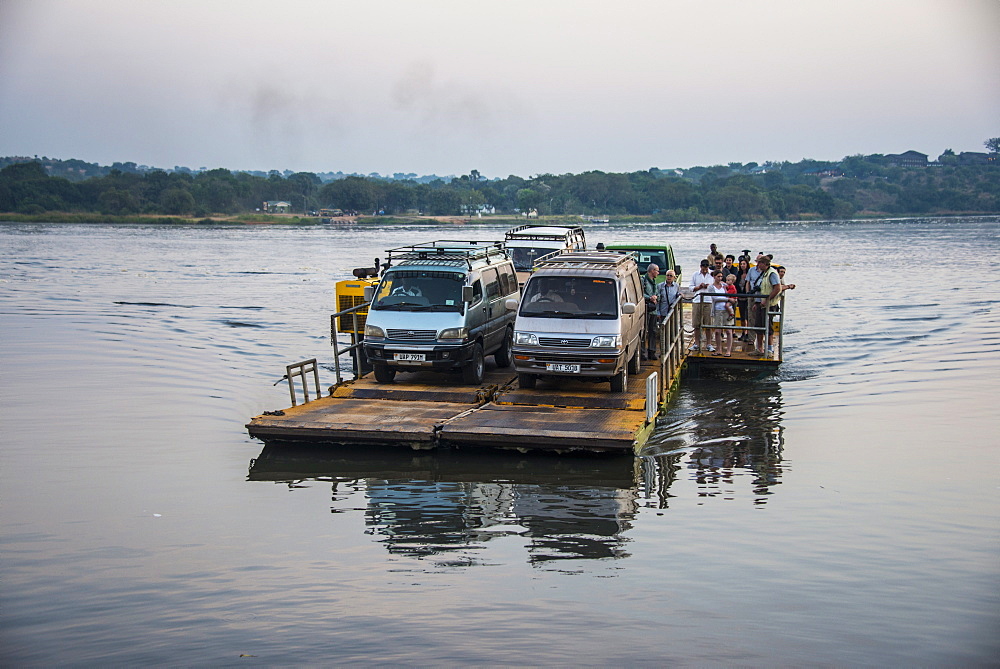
(512, 87)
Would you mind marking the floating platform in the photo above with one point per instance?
(426, 410)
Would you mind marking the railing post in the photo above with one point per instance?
(652, 396)
(336, 347)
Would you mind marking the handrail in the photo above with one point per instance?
(301, 370)
(356, 343)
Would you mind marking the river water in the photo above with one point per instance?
(845, 512)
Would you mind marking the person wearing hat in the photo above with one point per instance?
(769, 288)
(701, 308)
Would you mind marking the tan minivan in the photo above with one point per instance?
(581, 315)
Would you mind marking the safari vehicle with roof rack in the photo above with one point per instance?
(527, 243)
(661, 255)
(581, 315)
(441, 306)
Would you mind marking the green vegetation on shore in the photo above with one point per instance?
(857, 186)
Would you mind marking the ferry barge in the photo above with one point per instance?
(432, 410)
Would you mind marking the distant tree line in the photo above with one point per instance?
(807, 189)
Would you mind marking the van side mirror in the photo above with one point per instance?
(511, 303)
(628, 308)
(369, 293)
(467, 294)
(677, 270)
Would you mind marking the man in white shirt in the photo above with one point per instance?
(701, 306)
(407, 288)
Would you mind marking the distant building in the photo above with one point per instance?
(277, 207)
(976, 158)
(908, 159)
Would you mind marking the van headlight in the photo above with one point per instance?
(525, 338)
(605, 341)
(374, 332)
(458, 334)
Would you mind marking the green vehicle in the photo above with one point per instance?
(660, 254)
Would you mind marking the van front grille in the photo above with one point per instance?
(411, 335)
(564, 342)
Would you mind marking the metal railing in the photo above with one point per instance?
(671, 346)
(773, 317)
(302, 370)
(355, 348)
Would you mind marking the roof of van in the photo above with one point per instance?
(447, 253)
(542, 230)
(621, 246)
(587, 263)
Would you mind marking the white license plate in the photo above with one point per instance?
(409, 357)
(562, 367)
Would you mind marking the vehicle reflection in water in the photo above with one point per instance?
(719, 430)
(446, 504)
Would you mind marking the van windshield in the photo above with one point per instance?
(652, 256)
(524, 257)
(570, 297)
(419, 290)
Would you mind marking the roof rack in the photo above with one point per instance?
(584, 260)
(448, 251)
(519, 231)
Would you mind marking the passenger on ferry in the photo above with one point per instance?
(781, 275)
(769, 288)
(742, 303)
(718, 264)
(730, 267)
(667, 295)
(720, 300)
(652, 325)
(731, 304)
(701, 307)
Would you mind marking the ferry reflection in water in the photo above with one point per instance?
(720, 430)
(443, 503)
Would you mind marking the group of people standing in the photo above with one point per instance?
(716, 290)
(717, 304)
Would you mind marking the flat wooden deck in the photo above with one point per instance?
(425, 410)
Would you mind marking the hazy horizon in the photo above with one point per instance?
(520, 88)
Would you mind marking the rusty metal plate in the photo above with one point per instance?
(528, 427)
(353, 420)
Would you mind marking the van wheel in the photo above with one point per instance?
(504, 356)
(619, 382)
(526, 381)
(473, 372)
(383, 373)
(635, 364)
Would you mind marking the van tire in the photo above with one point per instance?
(619, 382)
(635, 363)
(383, 373)
(526, 381)
(474, 372)
(504, 355)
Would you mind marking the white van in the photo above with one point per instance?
(526, 243)
(441, 306)
(581, 315)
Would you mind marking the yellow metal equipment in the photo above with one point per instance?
(351, 293)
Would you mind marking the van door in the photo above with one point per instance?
(495, 310)
(635, 321)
